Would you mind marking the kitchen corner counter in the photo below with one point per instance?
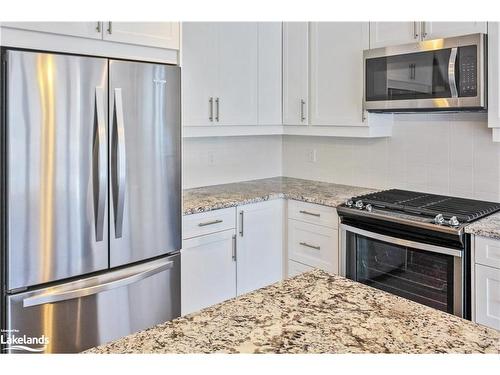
(313, 313)
(486, 227)
(229, 195)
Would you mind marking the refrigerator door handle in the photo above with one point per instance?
(99, 162)
(98, 286)
(119, 162)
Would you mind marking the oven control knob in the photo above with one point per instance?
(349, 203)
(359, 204)
(454, 221)
(439, 219)
(369, 207)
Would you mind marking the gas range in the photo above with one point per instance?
(412, 244)
(431, 211)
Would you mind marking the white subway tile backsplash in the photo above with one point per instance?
(441, 153)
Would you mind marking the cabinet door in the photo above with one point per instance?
(152, 34)
(270, 64)
(259, 245)
(434, 30)
(199, 72)
(82, 29)
(336, 96)
(493, 75)
(295, 72)
(237, 64)
(383, 34)
(488, 296)
(208, 271)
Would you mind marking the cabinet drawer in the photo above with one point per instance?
(208, 222)
(313, 245)
(487, 251)
(296, 268)
(313, 213)
(488, 296)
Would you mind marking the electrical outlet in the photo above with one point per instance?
(312, 156)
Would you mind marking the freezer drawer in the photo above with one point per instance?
(89, 312)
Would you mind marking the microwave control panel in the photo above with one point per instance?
(467, 58)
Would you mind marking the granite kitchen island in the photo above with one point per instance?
(313, 313)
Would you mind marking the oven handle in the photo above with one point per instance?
(402, 242)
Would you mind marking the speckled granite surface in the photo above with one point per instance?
(313, 313)
(229, 195)
(486, 227)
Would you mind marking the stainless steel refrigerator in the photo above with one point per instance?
(91, 198)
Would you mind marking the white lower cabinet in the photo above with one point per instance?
(487, 285)
(312, 238)
(259, 245)
(313, 245)
(296, 268)
(208, 270)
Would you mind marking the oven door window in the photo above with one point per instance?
(421, 276)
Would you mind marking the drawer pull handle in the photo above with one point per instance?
(309, 213)
(311, 246)
(218, 221)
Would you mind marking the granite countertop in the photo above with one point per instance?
(486, 227)
(229, 195)
(313, 313)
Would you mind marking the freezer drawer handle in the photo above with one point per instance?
(119, 162)
(88, 291)
(218, 221)
(99, 164)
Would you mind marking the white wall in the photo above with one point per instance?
(441, 153)
(218, 160)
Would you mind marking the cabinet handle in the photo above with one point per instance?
(110, 28)
(218, 221)
(241, 223)
(302, 112)
(217, 109)
(98, 27)
(311, 246)
(211, 109)
(415, 34)
(424, 31)
(234, 256)
(309, 213)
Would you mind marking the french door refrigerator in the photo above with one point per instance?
(91, 199)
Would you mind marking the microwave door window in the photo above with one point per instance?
(421, 75)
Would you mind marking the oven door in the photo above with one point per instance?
(428, 274)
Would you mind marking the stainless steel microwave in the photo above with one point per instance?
(447, 74)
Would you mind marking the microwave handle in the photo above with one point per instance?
(451, 72)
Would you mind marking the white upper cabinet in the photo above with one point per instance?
(384, 34)
(336, 72)
(435, 30)
(199, 72)
(231, 73)
(295, 73)
(270, 65)
(152, 34)
(493, 76)
(236, 99)
(81, 29)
